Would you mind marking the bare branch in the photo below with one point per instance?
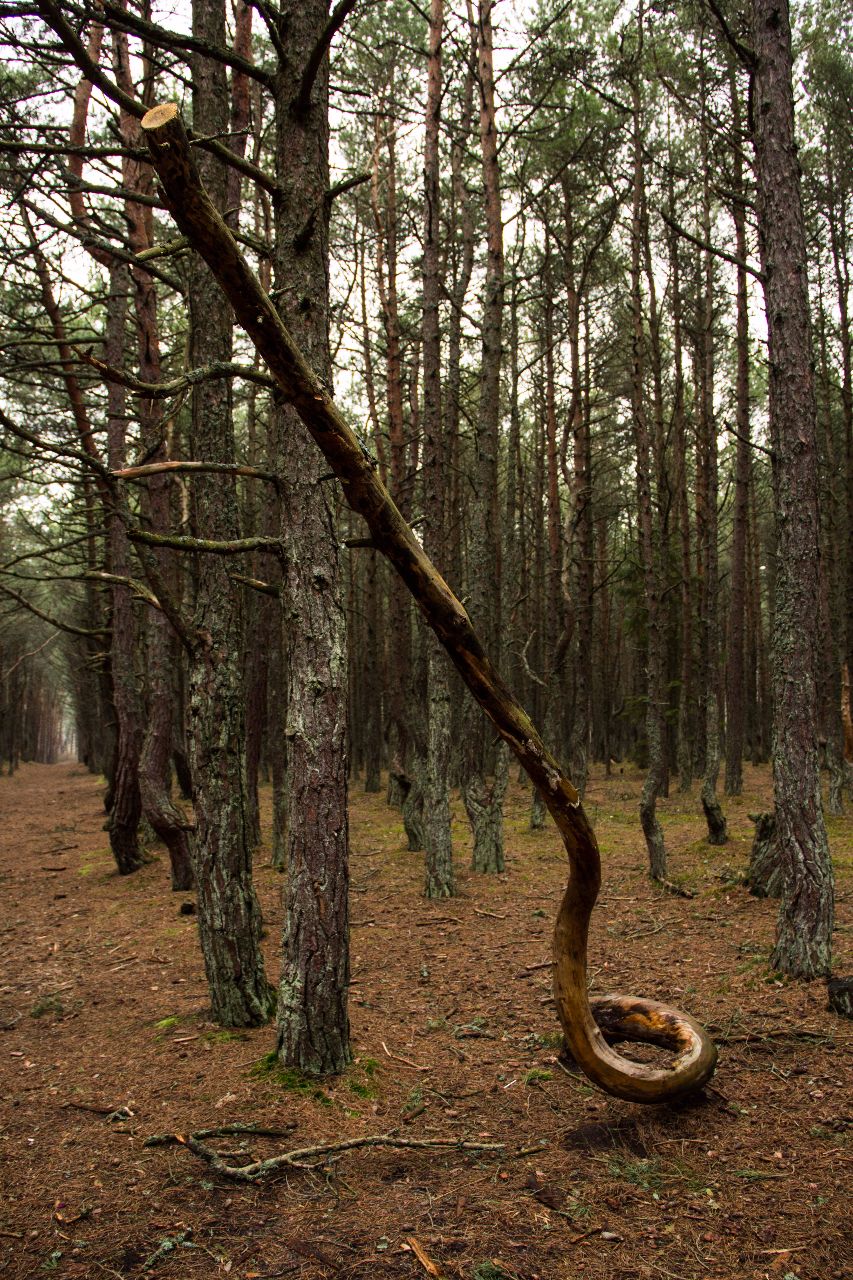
(46, 617)
(745, 55)
(163, 390)
(236, 547)
(710, 248)
(195, 468)
(31, 653)
(53, 16)
(309, 1157)
(180, 42)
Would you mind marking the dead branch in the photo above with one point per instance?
(307, 1157)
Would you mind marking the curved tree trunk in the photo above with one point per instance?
(155, 772)
(632, 1018)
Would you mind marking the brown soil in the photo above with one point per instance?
(102, 1007)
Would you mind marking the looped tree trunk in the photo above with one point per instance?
(632, 1018)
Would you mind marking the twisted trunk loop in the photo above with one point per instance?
(621, 1017)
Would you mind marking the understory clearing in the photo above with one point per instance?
(106, 1041)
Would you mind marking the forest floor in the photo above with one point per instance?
(105, 1040)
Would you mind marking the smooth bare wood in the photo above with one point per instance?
(633, 1018)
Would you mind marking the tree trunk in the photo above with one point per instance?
(646, 523)
(155, 770)
(804, 937)
(735, 663)
(313, 1022)
(126, 808)
(711, 807)
(632, 1017)
(437, 839)
(229, 916)
(485, 770)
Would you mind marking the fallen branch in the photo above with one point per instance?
(669, 886)
(308, 1157)
(120, 1112)
(532, 968)
(221, 1131)
(422, 1256)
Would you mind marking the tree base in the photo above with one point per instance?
(764, 874)
(840, 993)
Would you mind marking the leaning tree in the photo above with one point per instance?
(587, 1028)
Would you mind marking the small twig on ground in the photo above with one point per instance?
(423, 1257)
(425, 924)
(60, 848)
(647, 933)
(406, 1061)
(98, 1111)
(311, 1157)
(532, 968)
(270, 1275)
(593, 1231)
(493, 915)
(677, 890)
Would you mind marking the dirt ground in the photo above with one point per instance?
(105, 1040)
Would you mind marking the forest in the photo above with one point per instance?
(426, 805)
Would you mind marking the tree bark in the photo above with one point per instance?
(735, 664)
(313, 1022)
(804, 935)
(714, 816)
(229, 915)
(436, 789)
(650, 553)
(126, 809)
(155, 767)
(486, 770)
